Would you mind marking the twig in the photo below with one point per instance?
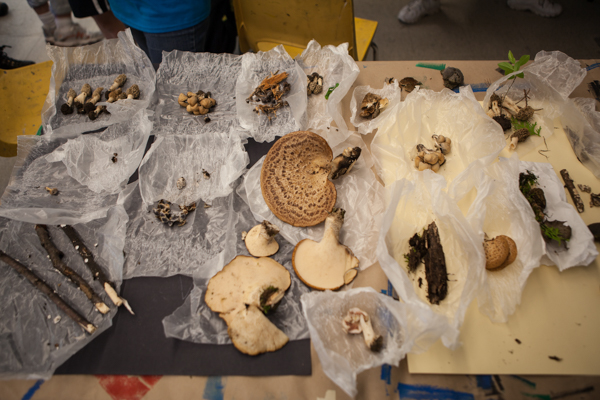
(48, 291)
(97, 272)
(544, 151)
(56, 257)
(572, 190)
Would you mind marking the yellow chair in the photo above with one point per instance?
(264, 24)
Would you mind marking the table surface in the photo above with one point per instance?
(556, 316)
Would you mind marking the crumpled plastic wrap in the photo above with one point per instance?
(98, 65)
(26, 199)
(336, 66)
(404, 327)
(358, 192)
(194, 321)
(255, 68)
(499, 208)
(581, 250)
(581, 123)
(389, 91)
(89, 158)
(35, 335)
(220, 154)
(412, 207)
(424, 113)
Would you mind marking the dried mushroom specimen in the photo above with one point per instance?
(133, 92)
(295, 175)
(67, 108)
(314, 84)
(180, 183)
(356, 322)
(86, 91)
(372, 105)
(328, 264)
(453, 77)
(198, 103)
(518, 136)
(90, 105)
(119, 82)
(408, 84)
(500, 252)
(92, 115)
(270, 93)
(242, 292)
(260, 240)
(52, 191)
(167, 216)
(497, 113)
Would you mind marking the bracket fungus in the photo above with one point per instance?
(242, 292)
(295, 175)
(260, 240)
(328, 264)
(500, 252)
(356, 322)
(372, 105)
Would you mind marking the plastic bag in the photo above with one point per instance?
(336, 67)
(194, 321)
(581, 123)
(412, 207)
(423, 113)
(37, 337)
(255, 68)
(209, 163)
(389, 91)
(358, 192)
(98, 65)
(404, 327)
(26, 198)
(499, 208)
(580, 249)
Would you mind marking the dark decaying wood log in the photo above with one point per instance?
(56, 257)
(435, 266)
(572, 190)
(48, 291)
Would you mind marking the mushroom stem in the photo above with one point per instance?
(357, 321)
(343, 163)
(514, 141)
(71, 96)
(333, 225)
(86, 90)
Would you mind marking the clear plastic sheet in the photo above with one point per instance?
(389, 91)
(424, 113)
(412, 207)
(336, 66)
(98, 65)
(581, 123)
(194, 321)
(500, 209)
(105, 161)
(26, 199)
(581, 250)
(404, 327)
(35, 335)
(172, 157)
(358, 192)
(255, 68)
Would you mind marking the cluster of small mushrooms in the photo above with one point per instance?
(433, 159)
(372, 105)
(85, 101)
(198, 103)
(270, 93)
(502, 109)
(314, 84)
(167, 216)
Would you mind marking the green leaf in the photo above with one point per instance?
(505, 66)
(511, 57)
(523, 60)
(520, 75)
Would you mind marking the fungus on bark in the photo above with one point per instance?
(356, 322)
(260, 240)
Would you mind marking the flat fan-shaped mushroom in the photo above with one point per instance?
(295, 177)
(241, 292)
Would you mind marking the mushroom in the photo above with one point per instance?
(52, 191)
(444, 144)
(260, 240)
(328, 264)
(208, 102)
(133, 92)
(67, 108)
(372, 105)
(95, 113)
(518, 136)
(241, 293)
(294, 178)
(357, 321)
(495, 112)
(453, 77)
(113, 96)
(90, 105)
(180, 183)
(86, 90)
(314, 83)
(182, 99)
(500, 252)
(193, 100)
(408, 84)
(525, 113)
(119, 82)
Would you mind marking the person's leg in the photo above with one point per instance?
(42, 9)
(544, 8)
(109, 25)
(417, 9)
(189, 39)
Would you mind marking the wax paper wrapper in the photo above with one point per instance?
(36, 337)
(336, 67)
(389, 91)
(412, 207)
(424, 113)
(255, 68)
(182, 72)
(194, 321)
(500, 209)
(548, 82)
(581, 123)
(358, 192)
(404, 327)
(580, 250)
(97, 65)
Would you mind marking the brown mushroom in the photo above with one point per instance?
(518, 136)
(500, 252)
(119, 82)
(113, 96)
(182, 100)
(90, 105)
(67, 108)
(260, 240)
(372, 105)
(86, 90)
(357, 321)
(95, 113)
(133, 92)
(208, 102)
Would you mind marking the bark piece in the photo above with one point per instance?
(572, 190)
(435, 266)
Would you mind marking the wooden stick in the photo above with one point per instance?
(56, 257)
(572, 190)
(97, 272)
(48, 291)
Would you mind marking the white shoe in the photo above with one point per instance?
(417, 9)
(75, 35)
(544, 8)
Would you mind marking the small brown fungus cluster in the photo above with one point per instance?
(314, 84)
(165, 215)
(372, 105)
(500, 252)
(502, 109)
(408, 84)
(198, 103)
(270, 93)
(433, 159)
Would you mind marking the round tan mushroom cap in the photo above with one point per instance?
(294, 179)
(500, 252)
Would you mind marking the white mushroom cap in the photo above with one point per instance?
(260, 240)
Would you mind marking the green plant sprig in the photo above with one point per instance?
(552, 233)
(526, 182)
(527, 125)
(513, 65)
